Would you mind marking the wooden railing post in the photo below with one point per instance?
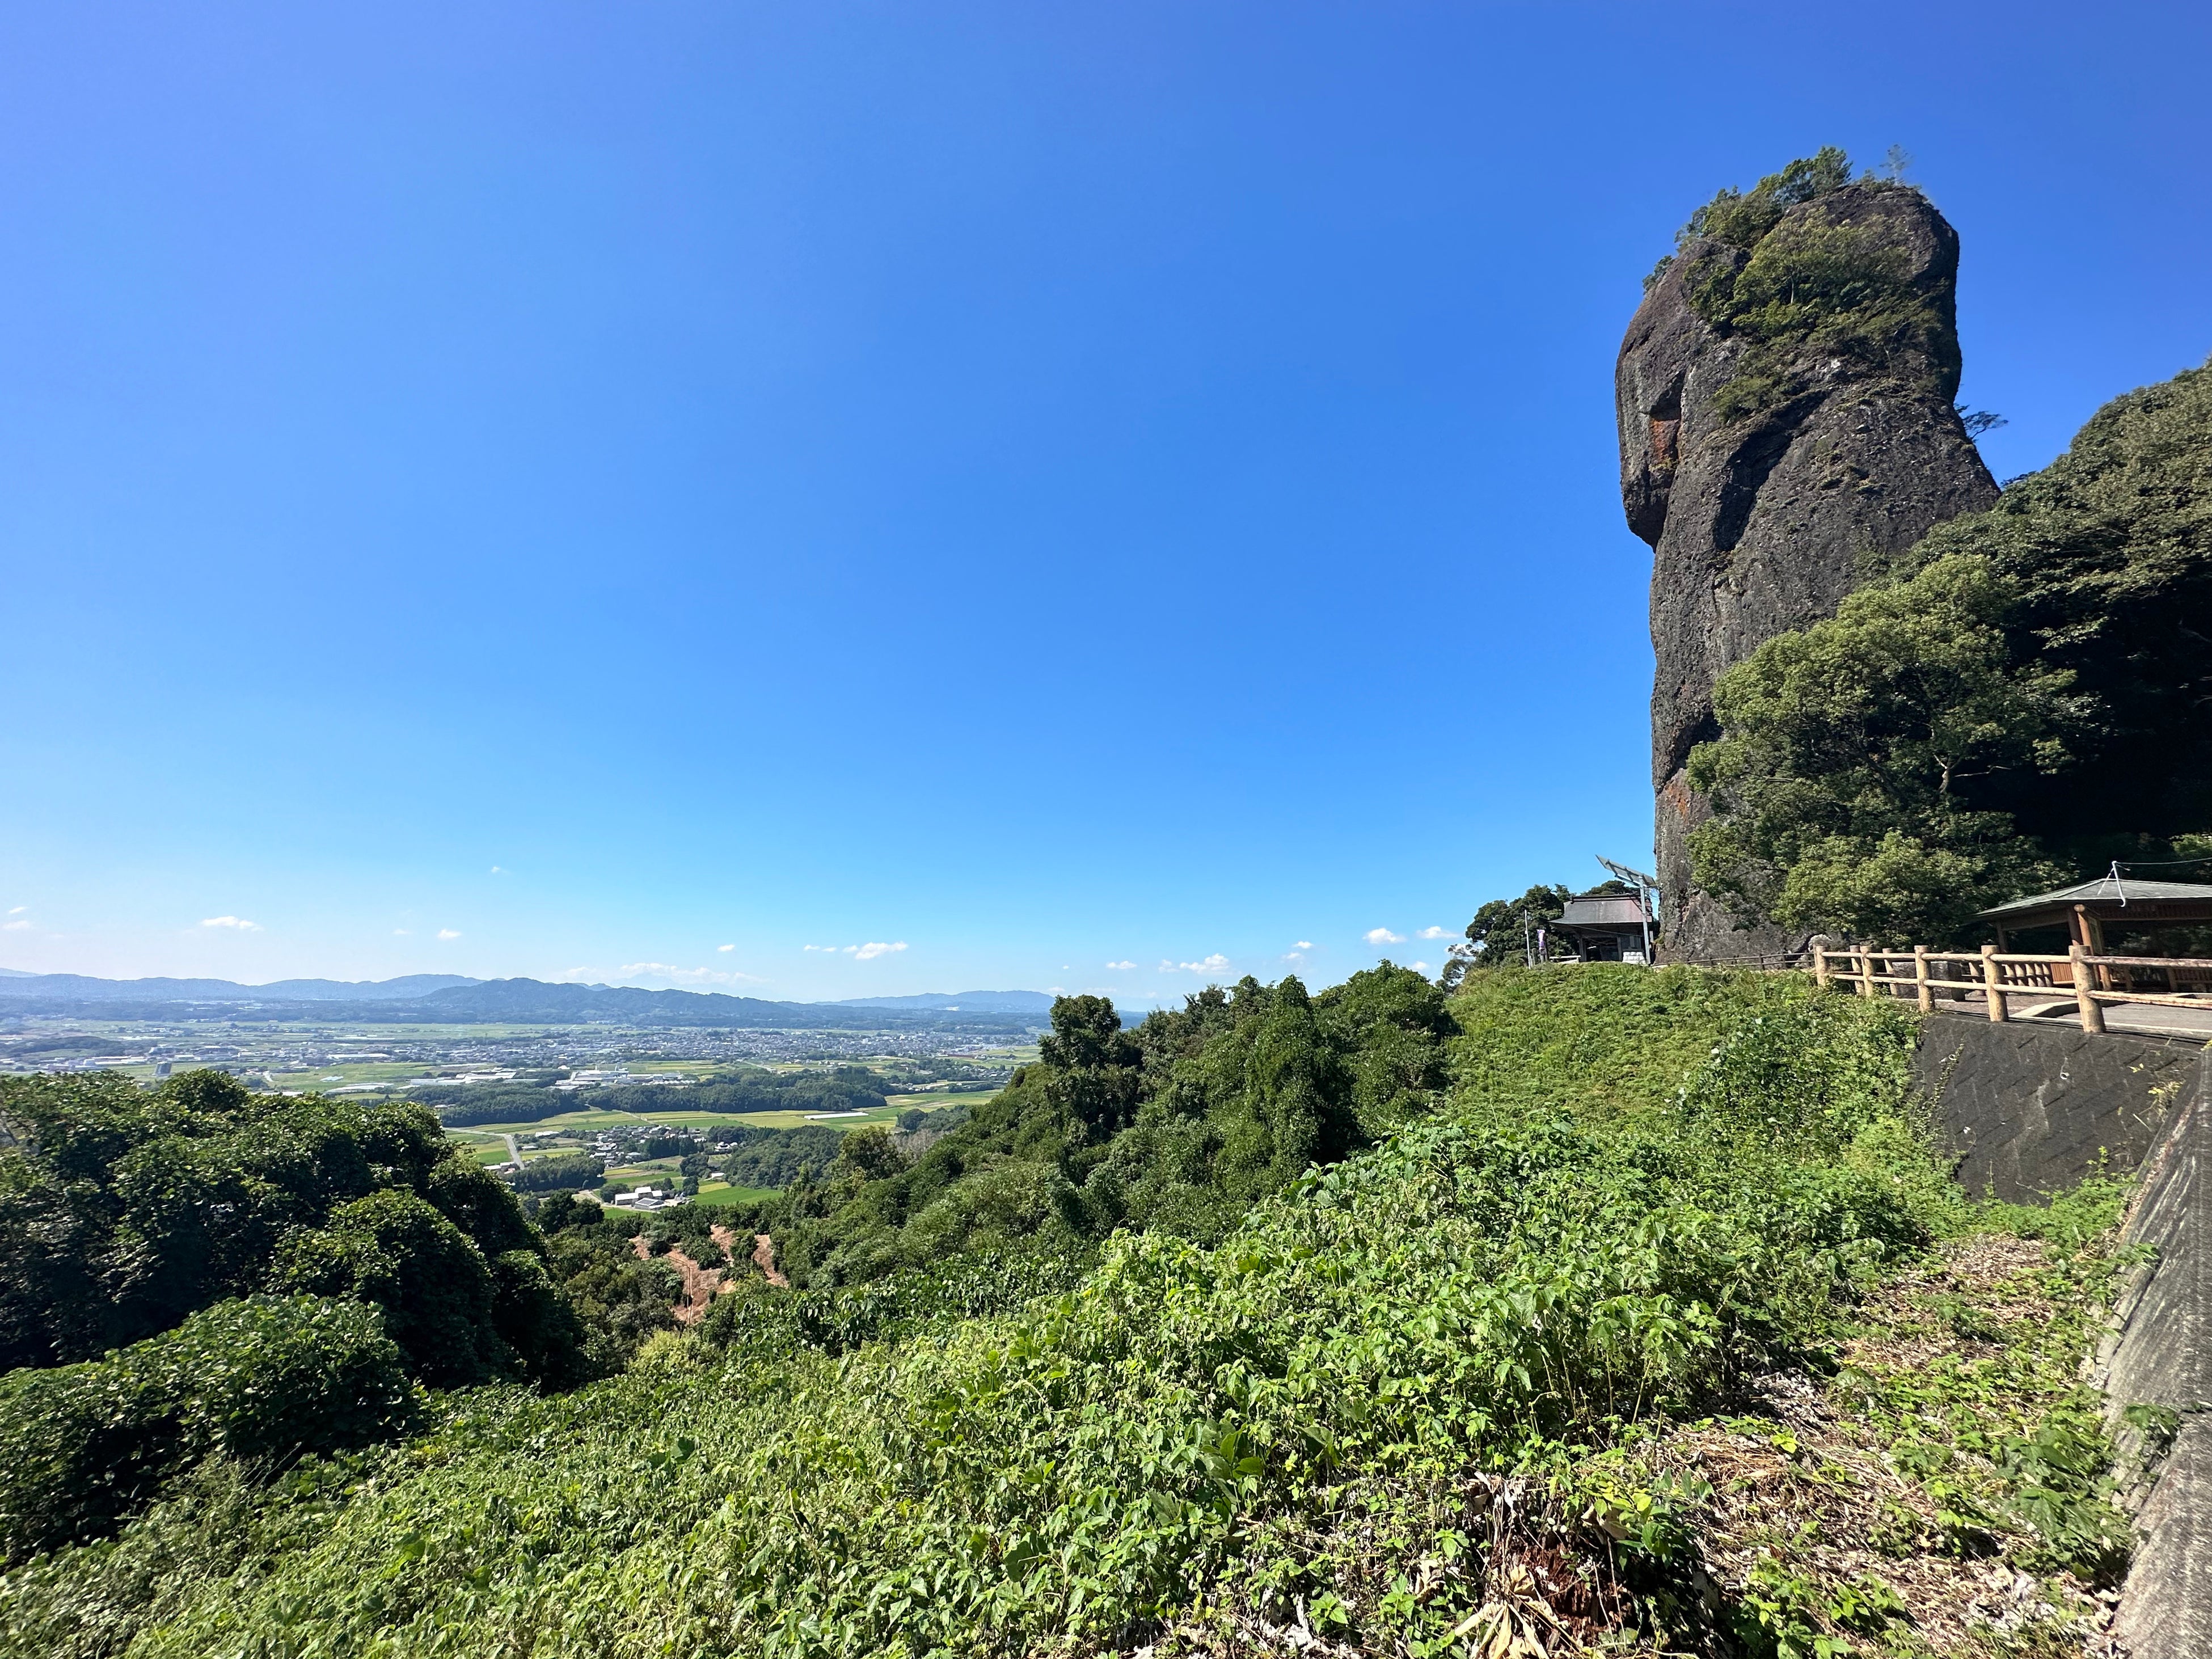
(1864, 957)
(2093, 1012)
(1993, 980)
(1920, 979)
(1820, 966)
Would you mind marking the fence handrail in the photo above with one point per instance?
(2089, 979)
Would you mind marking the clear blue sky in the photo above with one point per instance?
(545, 488)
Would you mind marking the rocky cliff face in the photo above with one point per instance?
(1785, 414)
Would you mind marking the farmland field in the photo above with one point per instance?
(722, 1193)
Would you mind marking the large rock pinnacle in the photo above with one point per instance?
(1786, 418)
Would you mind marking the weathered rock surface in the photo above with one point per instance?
(1762, 523)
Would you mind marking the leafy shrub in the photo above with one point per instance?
(264, 1379)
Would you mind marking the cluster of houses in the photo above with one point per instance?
(640, 1198)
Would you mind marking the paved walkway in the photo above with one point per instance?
(2141, 1019)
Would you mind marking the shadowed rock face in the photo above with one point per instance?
(1762, 522)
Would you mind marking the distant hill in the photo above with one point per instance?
(82, 988)
(979, 1002)
(449, 1000)
(531, 1001)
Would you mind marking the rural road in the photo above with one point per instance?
(513, 1152)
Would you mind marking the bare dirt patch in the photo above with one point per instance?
(701, 1285)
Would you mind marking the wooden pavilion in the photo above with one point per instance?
(2087, 909)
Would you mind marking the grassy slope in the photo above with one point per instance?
(1454, 1386)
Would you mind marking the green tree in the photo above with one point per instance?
(1095, 1070)
(1842, 779)
(1501, 929)
(436, 1288)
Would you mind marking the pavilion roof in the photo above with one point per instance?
(2113, 891)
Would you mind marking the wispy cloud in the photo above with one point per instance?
(676, 976)
(237, 923)
(1436, 932)
(726, 947)
(18, 910)
(1384, 936)
(399, 932)
(870, 951)
(14, 926)
(448, 933)
(1121, 967)
(497, 871)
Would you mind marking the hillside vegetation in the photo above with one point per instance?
(1176, 1126)
(1481, 1382)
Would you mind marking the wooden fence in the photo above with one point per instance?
(1996, 978)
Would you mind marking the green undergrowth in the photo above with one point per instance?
(1399, 1400)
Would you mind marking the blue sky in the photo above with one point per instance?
(1090, 496)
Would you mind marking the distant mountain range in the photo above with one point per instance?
(450, 999)
(979, 1002)
(15, 982)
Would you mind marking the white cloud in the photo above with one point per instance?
(818, 947)
(1303, 945)
(675, 975)
(1123, 967)
(399, 932)
(1384, 936)
(1213, 964)
(447, 933)
(1436, 932)
(726, 947)
(19, 909)
(497, 871)
(15, 927)
(1420, 967)
(870, 951)
(239, 923)
(1294, 955)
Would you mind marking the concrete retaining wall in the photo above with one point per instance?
(2160, 1353)
(2030, 1108)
